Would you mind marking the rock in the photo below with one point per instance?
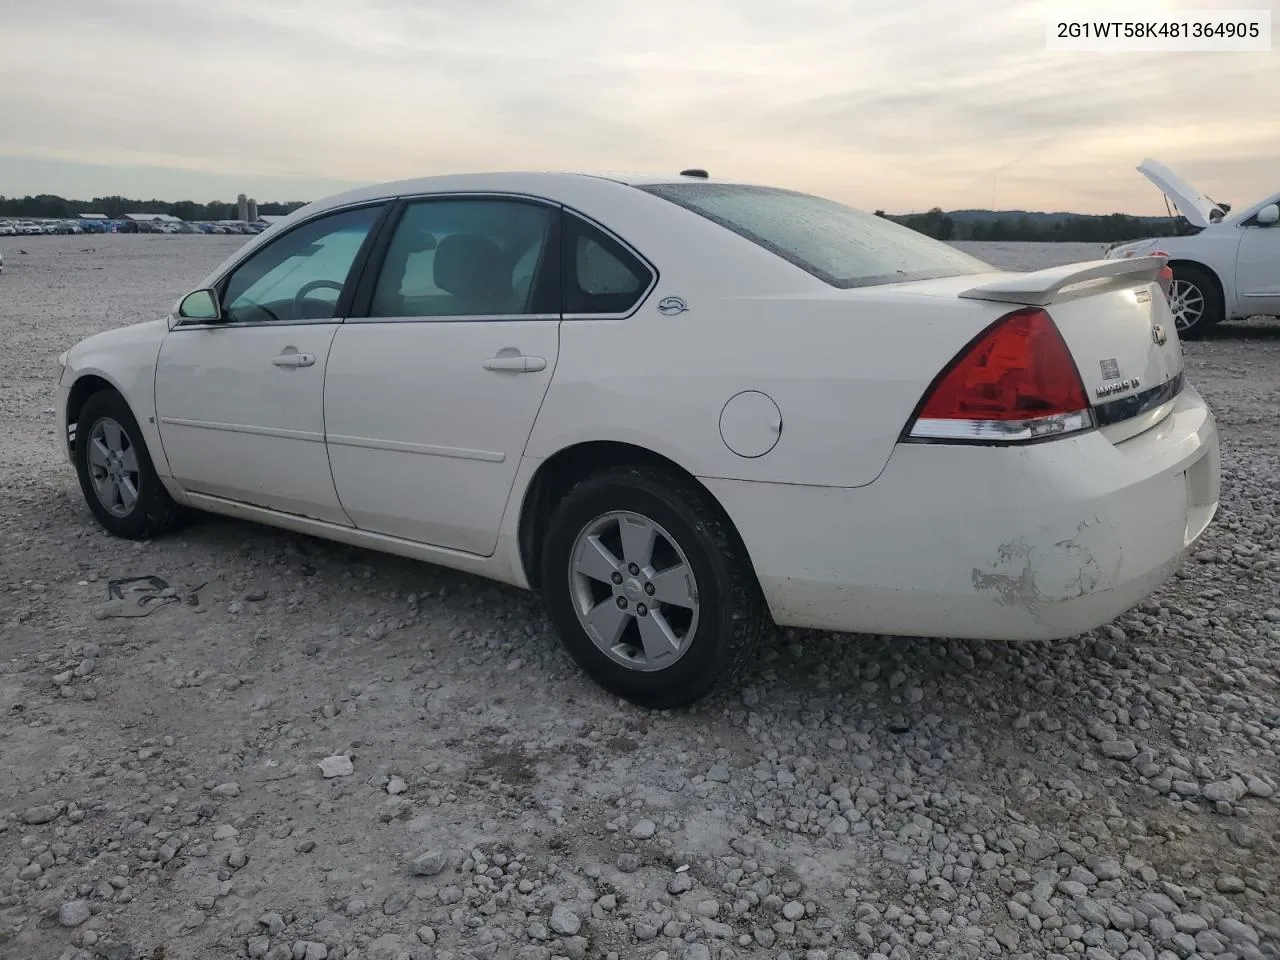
(429, 864)
(696, 951)
(225, 832)
(310, 950)
(793, 910)
(74, 912)
(1102, 731)
(628, 863)
(1006, 936)
(231, 789)
(1190, 923)
(1229, 884)
(1118, 749)
(1259, 788)
(564, 921)
(38, 815)
(644, 829)
(1223, 791)
(427, 935)
(273, 922)
(396, 786)
(719, 774)
(1237, 932)
(337, 766)
(1039, 848)
(396, 901)
(386, 947)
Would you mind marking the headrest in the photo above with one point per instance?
(471, 265)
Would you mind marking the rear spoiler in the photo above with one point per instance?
(1040, 287)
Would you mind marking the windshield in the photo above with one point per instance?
(837, 244)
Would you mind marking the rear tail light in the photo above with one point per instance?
(1016, 381)
(1165, 276)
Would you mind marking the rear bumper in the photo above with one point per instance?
(1039, 542)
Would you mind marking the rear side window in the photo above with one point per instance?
(837, 244)
(464, 257)
(600, 275)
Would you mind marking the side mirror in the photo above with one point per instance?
(1269, 215)
(200, 305)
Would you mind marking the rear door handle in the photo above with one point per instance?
(294, 360)
(516, 364)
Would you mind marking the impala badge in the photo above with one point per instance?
(1110, 369)
(670, 306)
(1158, 335)
(1113, 387)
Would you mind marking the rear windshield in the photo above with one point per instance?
(835, 243)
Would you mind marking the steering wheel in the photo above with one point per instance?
(306, 288)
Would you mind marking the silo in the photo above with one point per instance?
(242, 206)
(253, 211)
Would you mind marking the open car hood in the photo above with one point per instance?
(1199, 210)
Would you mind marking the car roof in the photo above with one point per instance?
(551, 184)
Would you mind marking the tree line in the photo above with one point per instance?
(1073, 228)
(941, 226)
(54, 207)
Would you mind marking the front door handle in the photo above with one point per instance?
(294, 360)
(516, 364)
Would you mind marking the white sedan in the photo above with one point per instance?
(678, 407)
(1228, 268)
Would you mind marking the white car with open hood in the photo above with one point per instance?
(1228, 268)
(678, 407)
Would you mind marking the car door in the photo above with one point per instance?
(1258, 267)
(240, 401)
(432, 392)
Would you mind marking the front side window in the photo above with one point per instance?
(837, 244)
(465, 258)
(301, 275)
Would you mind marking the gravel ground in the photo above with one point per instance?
(169, 787)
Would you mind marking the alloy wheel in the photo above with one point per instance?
(1186, 303)
(634, 591)
(113, 467)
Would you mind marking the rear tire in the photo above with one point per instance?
(649, 586)
(1195, 301)
(117, 476)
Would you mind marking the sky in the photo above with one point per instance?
(885, 104)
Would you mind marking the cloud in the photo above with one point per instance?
(885, 104)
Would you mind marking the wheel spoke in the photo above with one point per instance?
(113, 436)
(659, 640)
(607, 622)
(637, 541)
(595, 560)
(110, 493)
(130, 460)
(98, 453)
(673, 586)
(128, 493)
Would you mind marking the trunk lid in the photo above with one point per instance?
(1116, 322)
(1199, 210)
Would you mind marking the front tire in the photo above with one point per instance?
(649, 587)
(117, 476)
(1194, 301)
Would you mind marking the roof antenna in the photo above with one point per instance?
(694, 172)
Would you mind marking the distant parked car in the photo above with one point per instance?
(7, 229)
(1227, 268)
(677, 407)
